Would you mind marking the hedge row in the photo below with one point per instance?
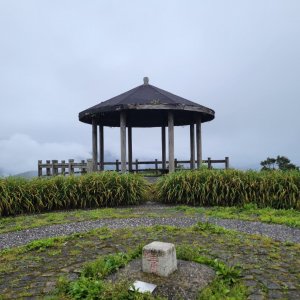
(106, 189)
(109, 189)
(274, 189)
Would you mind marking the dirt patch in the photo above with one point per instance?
(185, 283)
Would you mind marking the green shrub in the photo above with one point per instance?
(231, 188)
(105, 189)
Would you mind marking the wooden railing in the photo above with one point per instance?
(54, 167)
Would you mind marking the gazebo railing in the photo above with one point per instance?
(54, 167)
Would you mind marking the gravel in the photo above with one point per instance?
(277, 232)
(22, 237)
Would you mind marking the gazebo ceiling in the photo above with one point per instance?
(146, 106)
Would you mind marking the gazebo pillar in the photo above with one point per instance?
(163, 147)
(123, 140)
(130, 149)
(101, 147)
(192, 146)
(171, 141)
(94, 142)
(199, 142)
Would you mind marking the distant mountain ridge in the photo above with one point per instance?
(27, 174)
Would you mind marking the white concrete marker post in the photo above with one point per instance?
(159, 258)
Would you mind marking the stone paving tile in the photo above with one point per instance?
(270, 269)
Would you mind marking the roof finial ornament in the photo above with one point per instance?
(146, 80)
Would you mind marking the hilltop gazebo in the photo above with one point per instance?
(147, 106)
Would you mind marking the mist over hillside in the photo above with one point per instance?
(27, 174)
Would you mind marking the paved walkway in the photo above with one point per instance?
(270, 270)
(277, 232)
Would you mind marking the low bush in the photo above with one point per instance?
(277, 189)
(105, 189)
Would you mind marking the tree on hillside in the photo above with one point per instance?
(279, 163)
(268, 164)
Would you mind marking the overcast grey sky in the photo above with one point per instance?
(240, 58)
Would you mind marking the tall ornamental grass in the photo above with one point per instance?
(105, 189)
(274, 189)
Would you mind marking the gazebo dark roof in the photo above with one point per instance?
(146, 106)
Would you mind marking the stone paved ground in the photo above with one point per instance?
(162, 216)
(271, 269)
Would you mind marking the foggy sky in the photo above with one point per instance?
(240, 58)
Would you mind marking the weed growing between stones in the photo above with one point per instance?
(36, 271)
(203, 227)
(226, 285)
(219, 290)
(91, 285)
(40, 245)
